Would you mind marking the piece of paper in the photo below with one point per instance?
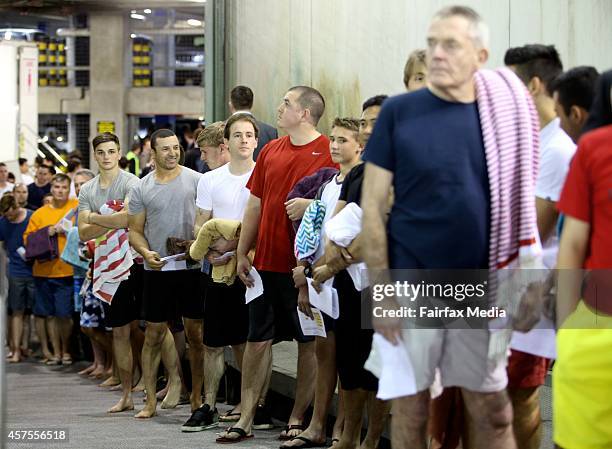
(327, 300)
(257, 290)
(359, 274)
(540, 341)
(314, 327)
(397, 374)
(172, 264)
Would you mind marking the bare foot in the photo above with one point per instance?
(117, 387)
(87, 371)
(110, 382)
(174, 395)
(122, 405)
(97, 373)
(15, 358)
(147, 412)
(343, 445)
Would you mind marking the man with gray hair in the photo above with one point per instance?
(439, 152)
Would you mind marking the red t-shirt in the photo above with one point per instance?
(280, 165)
(587, 196)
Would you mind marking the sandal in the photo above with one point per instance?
(230, 416)
(53, 362)
(289, 428)
(242, 436)
(307, 443)
(66, 360)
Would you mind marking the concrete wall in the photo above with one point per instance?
(353, 49)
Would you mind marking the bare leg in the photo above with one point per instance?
(527, 422)
(214, 367)
(255, 365)
(65, 329)
(339, 424)
(170, 357)
(491, 417)
(26, 334)
(193, 331)
(41, 329)
(16, 334)
(155, 335)
(124, 363)
(304, 390)
(325, 384)
(378, 411)
(354, 403)
(409, 421)
(54, 336)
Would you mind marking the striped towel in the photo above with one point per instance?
(112, 259)
(510, 129)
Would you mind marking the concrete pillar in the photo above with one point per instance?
(109, 52)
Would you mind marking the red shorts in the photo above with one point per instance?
(526, 370)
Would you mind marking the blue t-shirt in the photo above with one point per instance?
(12, 236)
(440, 215)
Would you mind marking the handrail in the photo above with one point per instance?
(43, 141)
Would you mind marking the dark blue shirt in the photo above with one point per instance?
(440, 215)
(12, 236)
(36, 194)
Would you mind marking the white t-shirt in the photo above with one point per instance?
(223, 193)
(556, 152)
(329, 196)
(26, 179)
(7, 188)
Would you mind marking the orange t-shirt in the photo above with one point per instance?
(280, 165)
(49, 216)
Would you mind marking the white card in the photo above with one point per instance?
(257, 290)
(327, 300)
(314, 327)
(172, 264)
(397, 376)
(540, 341)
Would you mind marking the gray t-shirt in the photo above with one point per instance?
(92, 196)
(170, 208)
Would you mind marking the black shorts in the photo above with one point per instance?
(273, 316)
(226, 316)
(170, 295)
(125, 306)
(353, 343)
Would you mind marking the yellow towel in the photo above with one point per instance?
(209, 233)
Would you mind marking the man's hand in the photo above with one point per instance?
(299, 280)
(390, 328)
(223, 246)
(243, 268)
(216, 258)
(533, 302)
(52, 231)
(304, 302)
(153, 259)
(296, 208)
(334, 257)
(320, 275)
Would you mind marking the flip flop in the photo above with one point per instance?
(67, 360)
(243, 436)
(334, 441)
(286, 437)
(307, 443)
(53, 362)
(230, 416)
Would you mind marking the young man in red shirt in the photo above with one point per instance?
(266, 226)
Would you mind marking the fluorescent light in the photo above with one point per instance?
(147, 11)
(8, 35)
(194, 22)
(60, 139)
(201, 118)
(132, 35)
(133, 11)
(137, 16)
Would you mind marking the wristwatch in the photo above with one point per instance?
(308, 271)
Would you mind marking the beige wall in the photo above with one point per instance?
(353, 49)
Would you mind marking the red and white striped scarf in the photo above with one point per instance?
(510, 129)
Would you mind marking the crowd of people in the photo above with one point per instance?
(470, 169)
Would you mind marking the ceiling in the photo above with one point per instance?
(68, 7)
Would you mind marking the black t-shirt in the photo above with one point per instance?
(351, 187)
(36, 194)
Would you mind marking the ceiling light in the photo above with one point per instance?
(194, 22)
(8, 35)
(133, 11)
(201, 118)
(147, 11)
(60, 139)
(132, 35)
(137, 16)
